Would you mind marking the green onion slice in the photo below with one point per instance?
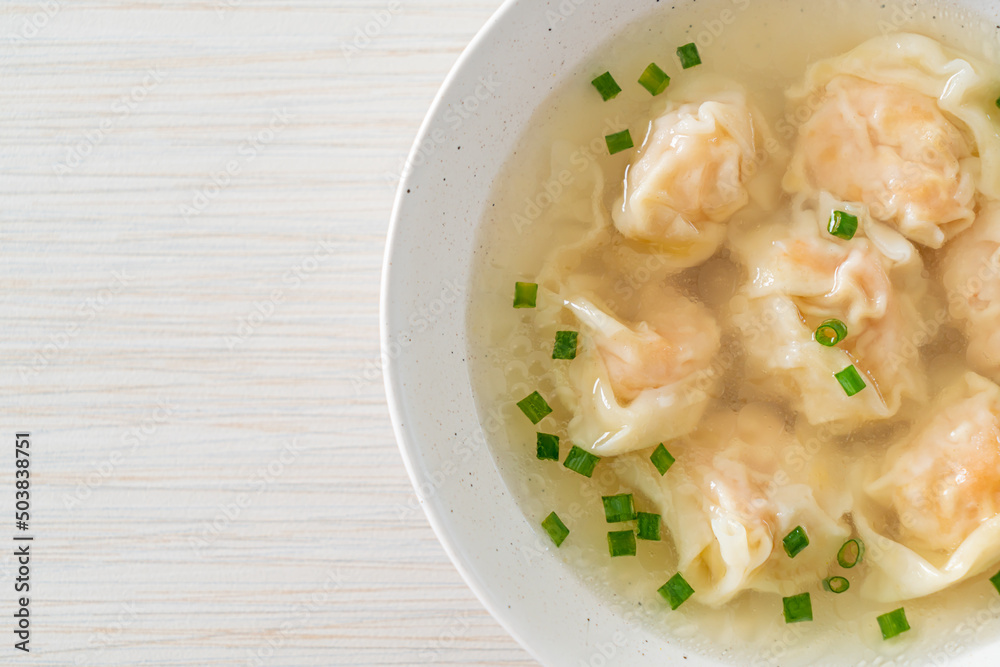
(689, 55)
(581, 461)
(525, 295)
(547, 447)
(654, 79)
(565, 347)
(619, 141)
(894, 623)
(621, 543)
(843, 225)
(676, 591)
(836, 584)
(662, 459)
(556, 529)
(534, 407)
(830, 333)
(649, 526)
(618, 508)
(998, 102)
(798, 608)
(850, 380)
(851, 553)
(995, 580)
(795, 541)
(607, 86)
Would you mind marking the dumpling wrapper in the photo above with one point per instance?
(939, 487)
(645, 383)
(707, 156)
(971, 274)
(902, 125)
(730, 499)
(799, 276)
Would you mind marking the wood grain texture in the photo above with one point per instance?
(195, 196)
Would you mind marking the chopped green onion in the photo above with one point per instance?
(995, 580)
(851, 553)
(830, 333)
(795, 541)
(525, 295)
(836, 584)
(621, 543)
(998, 102)
(662, 459)
(581, 461)
(607, 86)
(556, 529)
(619, 142)
(689, 55)
(843, 225)
(676, 591)
(565, 347)
(547, 447)
(798, 608)
(654, 79)
(649, 526)
(534, 407)
(850, 380)
(892, 624)
(618, 508)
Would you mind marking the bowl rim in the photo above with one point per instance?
(391, 380)
(570, 622)
(407, 440)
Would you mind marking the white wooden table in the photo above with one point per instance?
(194, 196)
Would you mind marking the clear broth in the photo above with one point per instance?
(766, 46)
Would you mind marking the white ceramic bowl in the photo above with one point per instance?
(484, 107)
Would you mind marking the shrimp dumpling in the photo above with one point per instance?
(642, 383)
(801, 276)
(899, 125)
(695, 172)
(728, 502)
(893, 150)
(971, 274)
(938, 491)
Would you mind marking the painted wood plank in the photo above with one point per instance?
(195, 199)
